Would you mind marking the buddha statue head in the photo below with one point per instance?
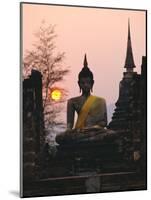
(85, 78)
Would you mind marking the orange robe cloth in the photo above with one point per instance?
(93, 113)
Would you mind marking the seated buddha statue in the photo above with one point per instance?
(91, 109)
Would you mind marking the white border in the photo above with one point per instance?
(9, 90)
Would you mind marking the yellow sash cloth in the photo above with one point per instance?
(84, 111)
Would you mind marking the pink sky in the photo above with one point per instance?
(100, 33)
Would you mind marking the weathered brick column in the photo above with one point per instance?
(32, 124)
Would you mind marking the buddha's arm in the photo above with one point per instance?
(103, 121)
(70, 114)
(101, 116)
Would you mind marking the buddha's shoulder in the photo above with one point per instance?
(78, 99)
(74, 99)
(100, 99)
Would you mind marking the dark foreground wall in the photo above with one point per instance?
(33, 126)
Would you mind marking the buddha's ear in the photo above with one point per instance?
(92, 83)
(79, 86)
(92, 86)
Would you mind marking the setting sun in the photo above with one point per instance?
(56, 95)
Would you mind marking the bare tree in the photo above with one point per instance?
(43, 57)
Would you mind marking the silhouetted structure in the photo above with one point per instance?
(130, 111)
(33, 126)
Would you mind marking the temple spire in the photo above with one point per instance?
(129, 61)
(85, 63)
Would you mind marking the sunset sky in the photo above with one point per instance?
(100, 33)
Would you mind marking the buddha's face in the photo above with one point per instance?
(86, 84)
